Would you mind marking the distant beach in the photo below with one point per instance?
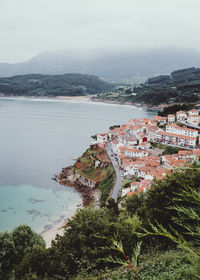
(86, 98)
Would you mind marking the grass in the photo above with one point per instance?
(85, 166)
(106, 184)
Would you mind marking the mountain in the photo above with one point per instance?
(181, 86)
(112, 65)
(53, 85)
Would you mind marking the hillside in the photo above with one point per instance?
(114, 65)
(53, 85)
(181, 86)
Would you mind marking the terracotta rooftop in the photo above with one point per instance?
(176, 135)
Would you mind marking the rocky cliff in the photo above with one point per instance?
(87, 173)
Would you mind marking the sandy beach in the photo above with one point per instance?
(50, 231)
(50, 234)
(76, 98)
(87, 98)
(84, 98)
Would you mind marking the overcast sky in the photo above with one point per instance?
(28, 27)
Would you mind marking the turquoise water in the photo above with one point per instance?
(39, 208)
(37, 139)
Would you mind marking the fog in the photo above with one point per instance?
(28, 27)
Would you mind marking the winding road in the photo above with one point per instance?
(119, 173)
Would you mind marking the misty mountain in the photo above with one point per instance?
(115, 65)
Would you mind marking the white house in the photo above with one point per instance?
(181, 116)
(193, 120)
(127, 140)
(176, 139)
(135, 153)
(193, 112)
(160, 120)
(102, 139)
(115, 144)
(171, 118)
(134, 186)
(173, 128)
(125, 191)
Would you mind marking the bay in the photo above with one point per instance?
(38, 137)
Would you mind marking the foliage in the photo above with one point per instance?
(168, 265)
(131, 264)
(172, 109)
(105, 186)
(7, 254)
(134, 203)
(53, 85)
(188, 219)
(181, 86)
(128, 180)
(162, 194)
(14, 246)
(103, 173)
(154, 265)
(80, 248)
(169, 150)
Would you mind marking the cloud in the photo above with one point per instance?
(28, 27)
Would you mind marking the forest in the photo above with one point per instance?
(182, 86)
(53, 85)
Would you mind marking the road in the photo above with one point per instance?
(119, 173)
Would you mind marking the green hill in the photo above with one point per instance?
(181, 86)
(53, 85)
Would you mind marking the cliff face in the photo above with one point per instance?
(86, 174)
(76, 178)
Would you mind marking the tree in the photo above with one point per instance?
(113, 207)
(7, 255)
(162, 194)
(14, 246)
(24, 239)
(134, 203)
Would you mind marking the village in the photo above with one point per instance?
(138, 148)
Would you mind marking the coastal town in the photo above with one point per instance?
(138, 148)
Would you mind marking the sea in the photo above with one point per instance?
(38, 137)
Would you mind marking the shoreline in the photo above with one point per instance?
(140, 105)
(88, 196)
(50, 231)
(85, 98)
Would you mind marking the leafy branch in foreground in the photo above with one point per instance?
(188, 219)
(131, 264)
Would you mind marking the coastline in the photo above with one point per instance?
(89, 196)
(58, 226)
(140, 105)
(85, 98)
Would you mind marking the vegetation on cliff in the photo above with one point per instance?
(92, 171)
(53, 85)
